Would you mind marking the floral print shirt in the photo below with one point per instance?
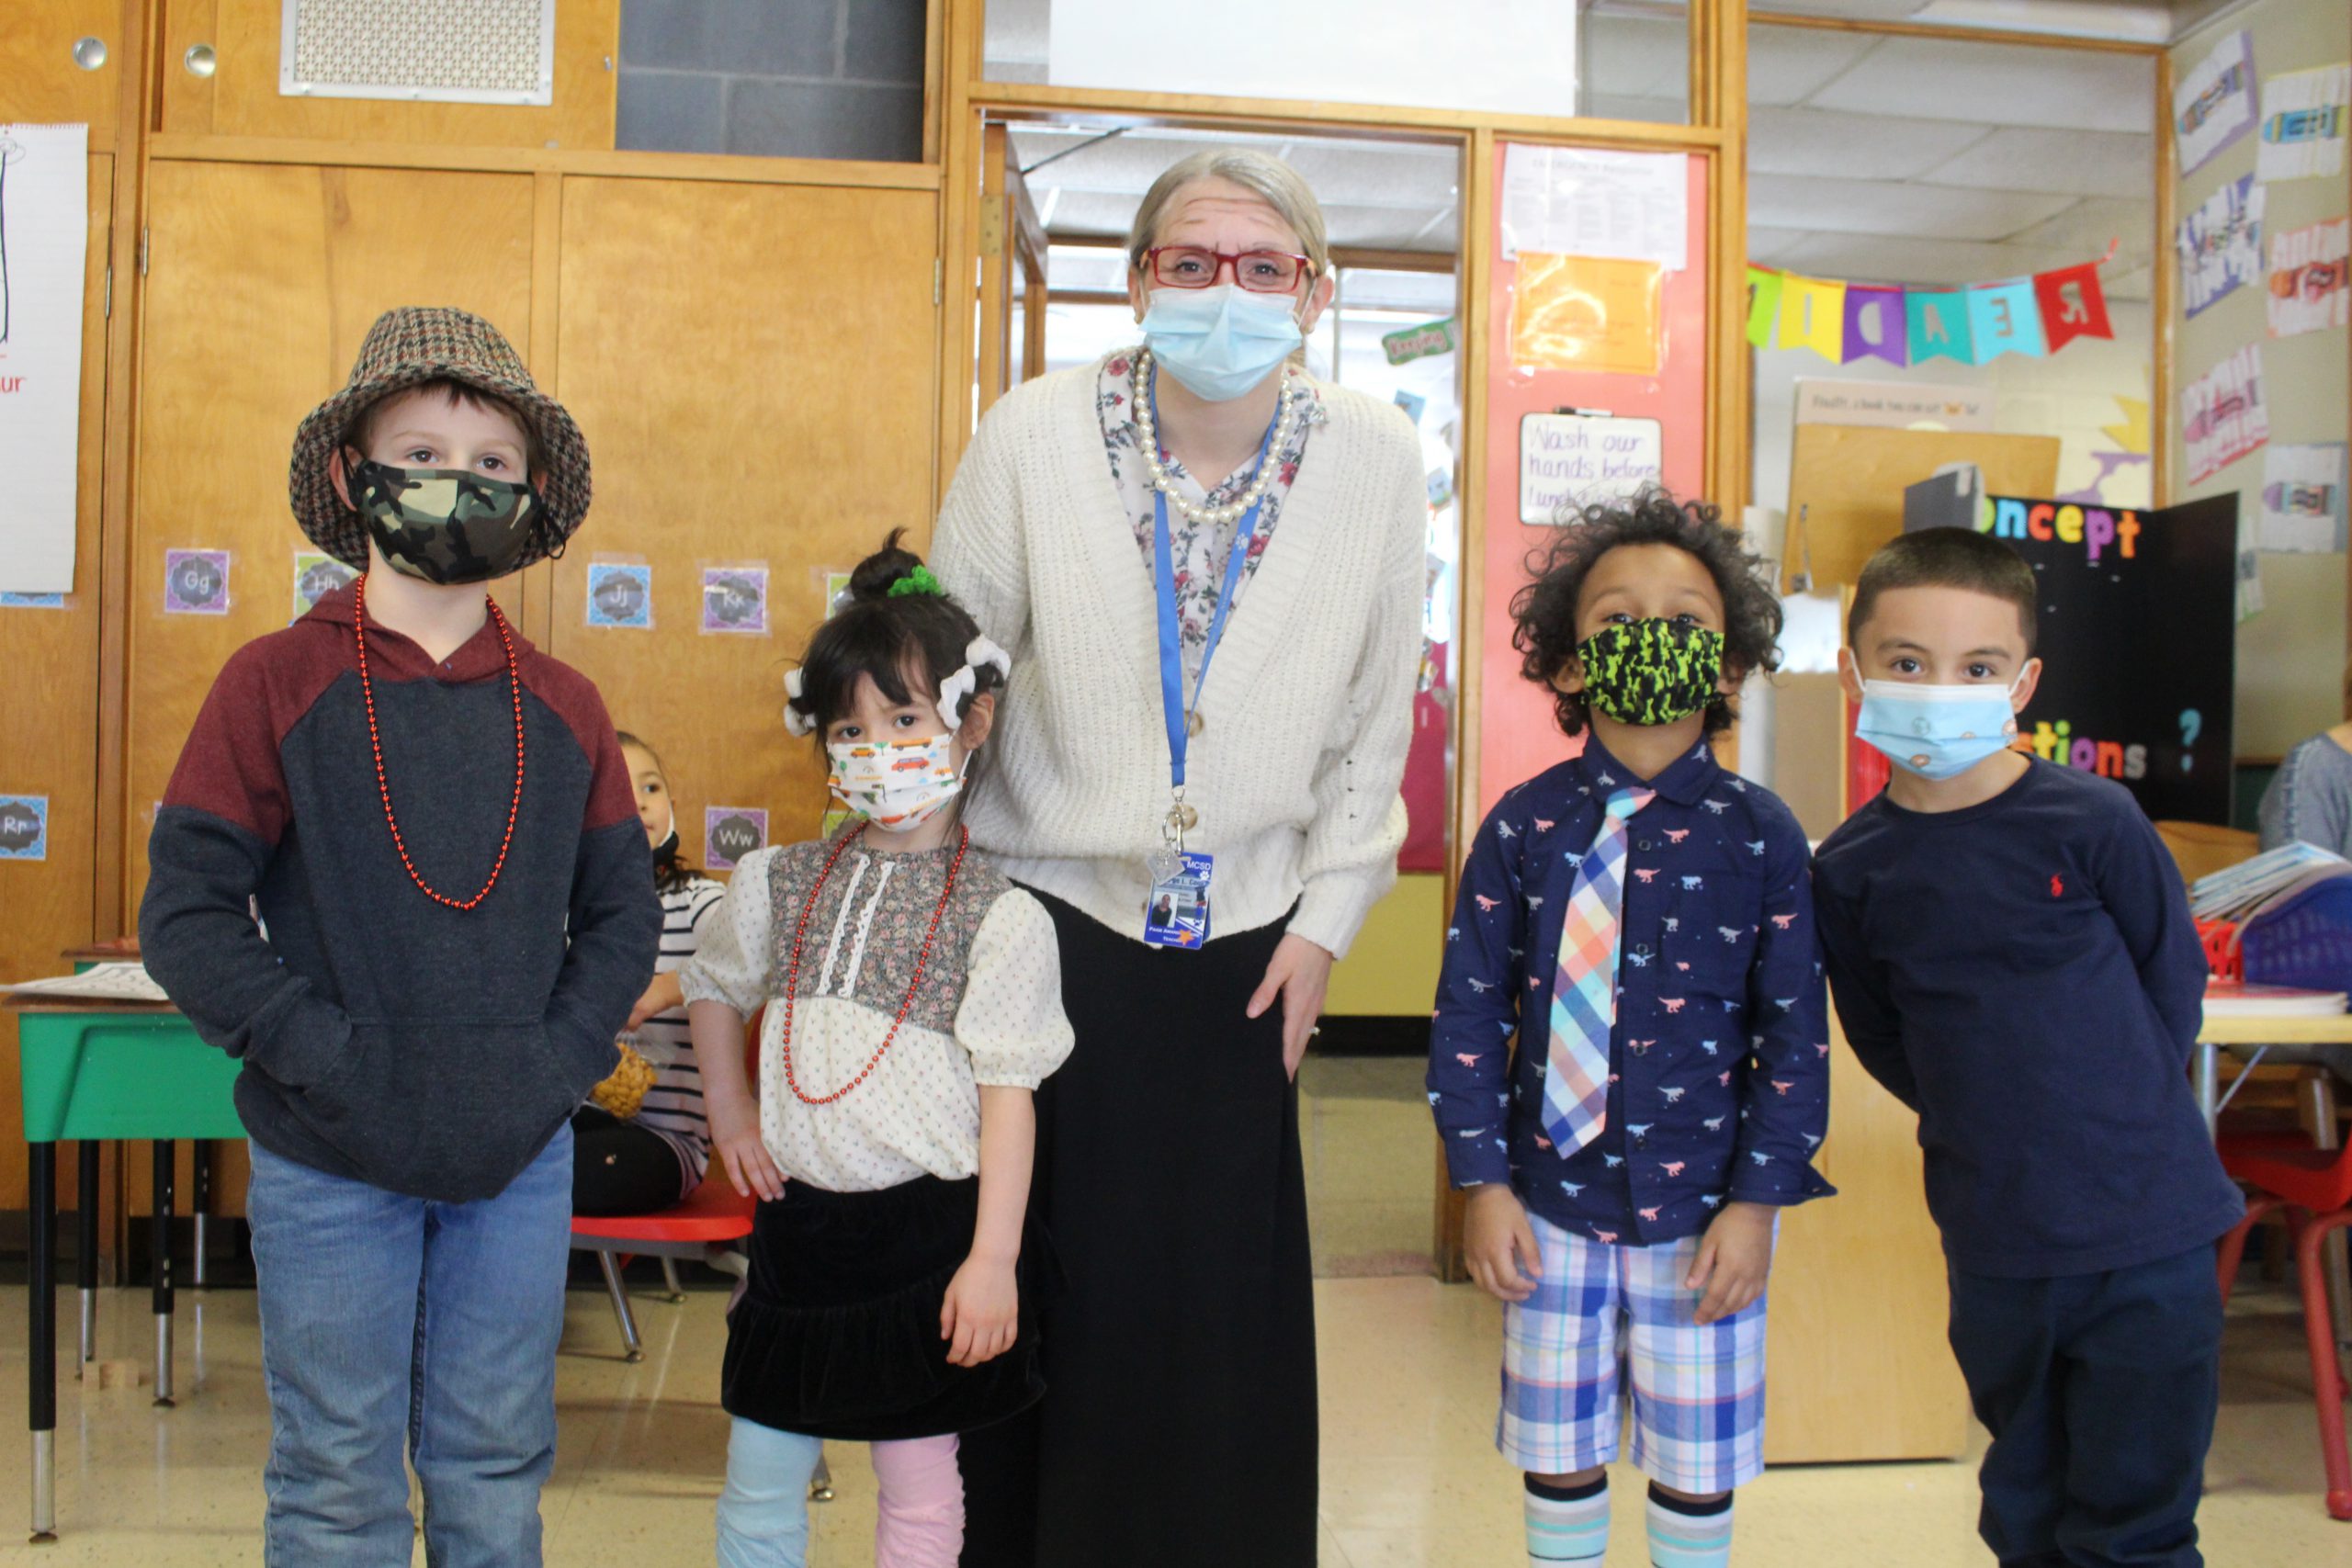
(1200, 552)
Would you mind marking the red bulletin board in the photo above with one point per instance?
(1517, 738)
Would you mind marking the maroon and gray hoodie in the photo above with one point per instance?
(386, 1037)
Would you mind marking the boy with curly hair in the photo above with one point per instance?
(1627, 1162)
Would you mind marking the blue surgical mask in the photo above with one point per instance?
(1937, 732)
(1220, 340)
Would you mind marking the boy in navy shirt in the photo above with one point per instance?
(2014, 959)
(1627, 1164)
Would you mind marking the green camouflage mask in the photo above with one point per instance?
(445, 525)
(1651, 672)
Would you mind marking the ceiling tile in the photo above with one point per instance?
(1766, 247)
(2088, 225)
(1879, 207)
(1855, 147)
(1787, 65)
(1644, 57)
(1997, 84)
(1896, 258)
(2076, 162)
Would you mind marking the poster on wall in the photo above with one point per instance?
(2223, 416)
(2138, 637)
(1578, 201)
(2302, 498)
(44, 233)
(2219, 244)
(2213, 104)
(2307, 277)
(2303, 124)
(1575, 458)
(1580, 313)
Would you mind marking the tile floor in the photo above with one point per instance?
(1410, 1479)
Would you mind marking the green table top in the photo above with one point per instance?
(121, 1073)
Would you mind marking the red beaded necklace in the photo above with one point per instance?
(376, 745)
(800, 942)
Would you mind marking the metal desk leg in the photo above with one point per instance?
(632, 1346)
(40, 1380)
(2208, 1086)
(161, 1228)
(2319, 1105)
(200, 1202)
(86, 1245)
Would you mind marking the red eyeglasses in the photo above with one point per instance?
(1260, 272)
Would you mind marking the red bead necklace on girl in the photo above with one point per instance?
(800, 943)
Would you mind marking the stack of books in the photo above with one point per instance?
(2266, 882)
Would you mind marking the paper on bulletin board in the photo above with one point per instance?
(1571, 460)
(2308, 290)
(44, 233)
(2302, 498)
(2223, 414)
(1579, 313)
(2302, 123)
(1575, 201)
(2213, 104)
(2219, 244)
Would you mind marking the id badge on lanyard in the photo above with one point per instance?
(1177, 912)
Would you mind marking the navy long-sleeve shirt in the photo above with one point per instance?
(1719, 1072)
(2025, 976)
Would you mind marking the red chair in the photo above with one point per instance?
(2313, 1187)
(712, 1215)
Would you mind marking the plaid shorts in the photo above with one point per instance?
(1698, 1391)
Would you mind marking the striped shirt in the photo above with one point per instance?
(673, 1108)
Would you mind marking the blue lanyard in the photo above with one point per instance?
(1171, 653)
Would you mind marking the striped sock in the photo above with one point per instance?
(1567, 1524)
(1689, 1535)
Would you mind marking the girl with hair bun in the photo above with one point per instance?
(913, 1001)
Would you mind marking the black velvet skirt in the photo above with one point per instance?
(837, 1335)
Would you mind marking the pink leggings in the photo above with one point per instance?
(763, 1512)
(922, 1503)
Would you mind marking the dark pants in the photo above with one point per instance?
(1178, 1424)
(621, 1168)
(2099, 1392)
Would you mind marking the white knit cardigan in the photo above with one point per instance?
(1308, 707)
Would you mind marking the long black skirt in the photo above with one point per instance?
(837, 1335)
(1179, 1426)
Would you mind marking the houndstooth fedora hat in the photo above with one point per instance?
(425, 342)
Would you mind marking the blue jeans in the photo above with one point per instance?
(394, 1327)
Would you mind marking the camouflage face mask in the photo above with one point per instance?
(1651, 672)
(445, 525)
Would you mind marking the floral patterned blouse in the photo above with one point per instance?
(1200, 551)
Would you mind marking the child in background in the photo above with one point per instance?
(433, 819)
(2013, 958)
(1626, 1167)
(913, 1002)
(648, 1161)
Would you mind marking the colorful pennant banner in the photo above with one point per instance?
(1975, 324)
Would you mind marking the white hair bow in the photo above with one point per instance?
(797, 724)
(958, 688)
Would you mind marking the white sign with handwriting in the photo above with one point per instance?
(1571, 460)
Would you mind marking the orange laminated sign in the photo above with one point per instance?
(1585, 314)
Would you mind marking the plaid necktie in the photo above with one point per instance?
(1584, 992)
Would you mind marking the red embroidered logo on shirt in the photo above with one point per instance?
(2057, 887)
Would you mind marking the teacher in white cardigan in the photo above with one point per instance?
(1209, 568)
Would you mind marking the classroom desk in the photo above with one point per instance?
(94, 1071)
(2279, 1040)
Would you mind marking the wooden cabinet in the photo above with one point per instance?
(1857, 1363)
(754, 367)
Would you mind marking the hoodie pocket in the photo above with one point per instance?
(449, 1109)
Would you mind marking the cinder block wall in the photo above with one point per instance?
(773, 78)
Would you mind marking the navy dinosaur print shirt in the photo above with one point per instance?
(1719, 1061)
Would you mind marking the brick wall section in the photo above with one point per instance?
(773, 78)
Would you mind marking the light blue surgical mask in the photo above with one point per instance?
(1937, 732)
(1220, 340)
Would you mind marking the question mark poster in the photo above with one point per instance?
(44, 237)
(2138, 631)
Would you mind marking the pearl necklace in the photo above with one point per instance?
(1155, 474)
